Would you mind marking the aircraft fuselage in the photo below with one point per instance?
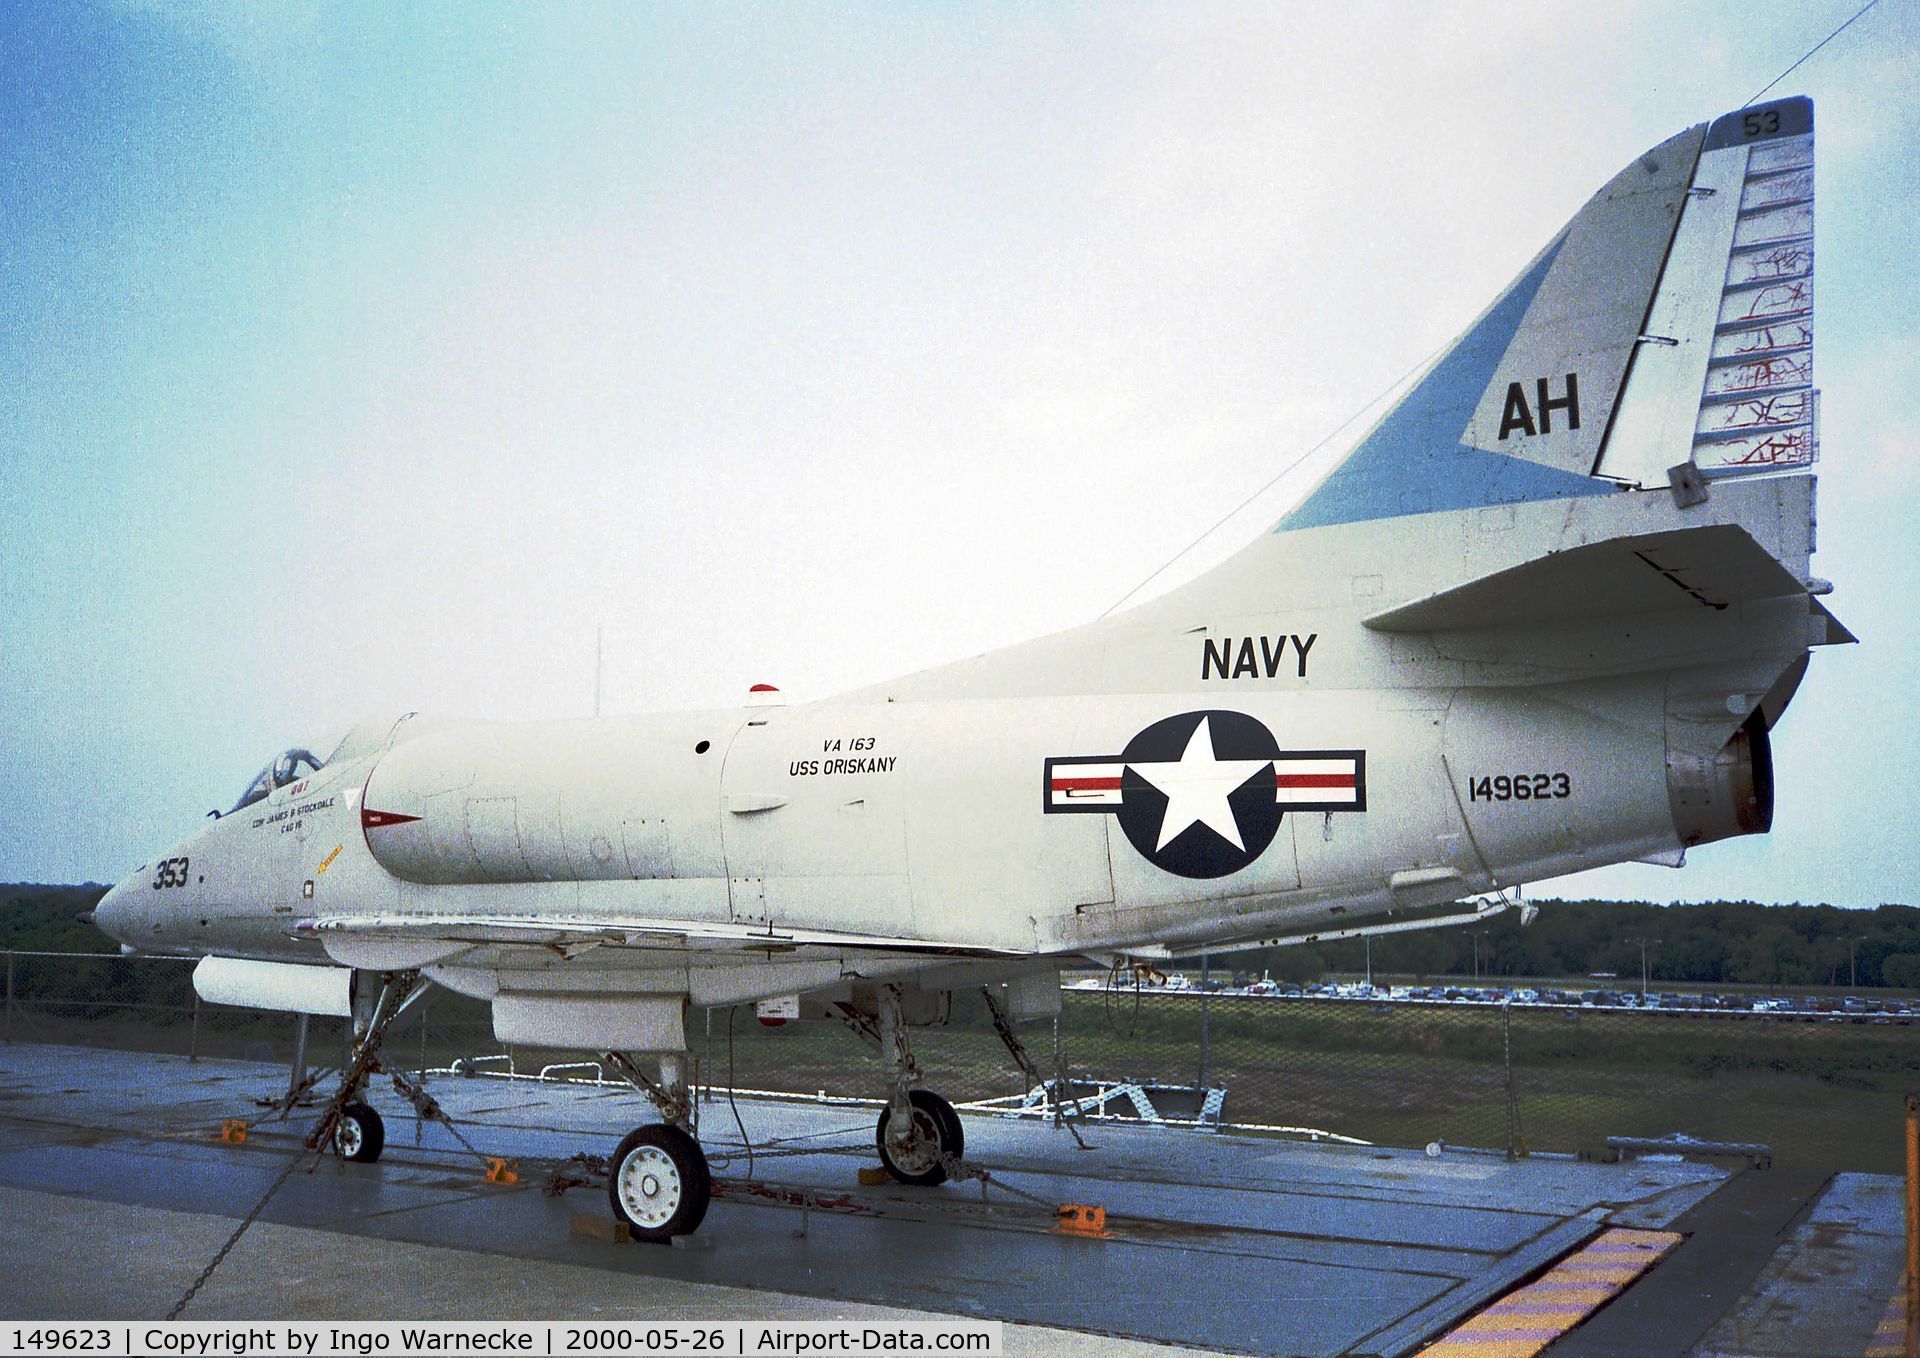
(918, 821)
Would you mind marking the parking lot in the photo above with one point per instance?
(1608, 996)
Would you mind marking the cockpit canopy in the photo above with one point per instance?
(287, 767)
(290, 766)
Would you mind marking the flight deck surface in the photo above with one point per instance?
(1216, 1241)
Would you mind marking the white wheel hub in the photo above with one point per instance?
(650, 1187)
(347, 1136)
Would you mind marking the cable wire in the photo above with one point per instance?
(731, 1082)
(1755, 97)
(221, 1254)
(1113, 984)
(1324, 440)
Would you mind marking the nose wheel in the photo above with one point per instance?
(915, 1149)
(659, 1183)
(359, 1134)
(348, 1127)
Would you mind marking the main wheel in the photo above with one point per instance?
(359, 1134)
(935, 1134)
(658, 1182)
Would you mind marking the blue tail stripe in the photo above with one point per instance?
(1413, 461)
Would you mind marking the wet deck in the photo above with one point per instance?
(1218, 1241)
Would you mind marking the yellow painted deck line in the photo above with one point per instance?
(1526, 1320)
(1890, 1337)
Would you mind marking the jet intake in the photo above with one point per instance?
(1724, 795)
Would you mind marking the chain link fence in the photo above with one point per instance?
(1822, 1092)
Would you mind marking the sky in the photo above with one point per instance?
(372, 358)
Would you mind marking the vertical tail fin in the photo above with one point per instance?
(1670, 321)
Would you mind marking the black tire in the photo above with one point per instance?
(940, 1136)
(658, 1183)
(360, 1134)
(956, 1143)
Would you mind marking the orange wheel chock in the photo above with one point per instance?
(1079, 1219)
(500, 1170)
(233, 1131)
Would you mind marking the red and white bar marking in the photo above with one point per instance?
(1316, 780)
(1073, 786)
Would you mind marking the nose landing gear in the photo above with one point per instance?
(359, 1134)
(349, 1126)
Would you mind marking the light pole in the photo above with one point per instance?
(1853, 975)
(1368, 938)
(1478, 934)
(1644, 943)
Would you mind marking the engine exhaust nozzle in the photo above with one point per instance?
(1724, 795)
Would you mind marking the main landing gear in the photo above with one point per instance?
(659, 1184)
(658, 1181)
(919, 1135)
(918, 1148)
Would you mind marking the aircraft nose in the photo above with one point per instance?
(114, 915)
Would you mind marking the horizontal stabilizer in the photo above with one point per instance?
(1837, 633)
(1710, 567)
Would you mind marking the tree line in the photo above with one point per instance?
(36, 918)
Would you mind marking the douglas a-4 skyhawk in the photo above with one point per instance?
(1540, 619)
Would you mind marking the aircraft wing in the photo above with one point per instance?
(568, 935)
(556, 974)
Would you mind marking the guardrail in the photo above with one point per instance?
(189, 1007)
